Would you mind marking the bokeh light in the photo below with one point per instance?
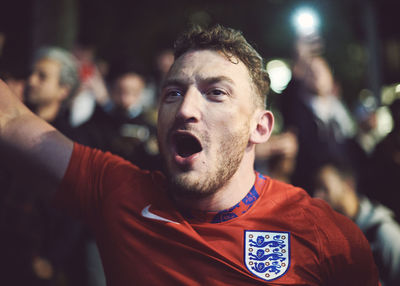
(306, 21)
(279, 73)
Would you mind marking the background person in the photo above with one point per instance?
(46, 240)
(120, 125)
(52, 85)
(337, 186)
(311, 107)
(383, 180)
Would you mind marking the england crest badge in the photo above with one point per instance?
(267, 253)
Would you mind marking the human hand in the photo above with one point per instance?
(42, 268)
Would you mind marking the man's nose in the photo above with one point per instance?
(32, 79)
(190, 106)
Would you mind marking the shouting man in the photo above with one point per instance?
(211, 219)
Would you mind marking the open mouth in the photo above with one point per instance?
(186, 145)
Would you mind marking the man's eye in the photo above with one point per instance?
(42, 75)
(216, 92)
(172, 95)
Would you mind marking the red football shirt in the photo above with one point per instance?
(277, 235)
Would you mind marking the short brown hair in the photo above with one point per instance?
(233, 45)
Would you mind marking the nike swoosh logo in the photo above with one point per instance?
(148, 214)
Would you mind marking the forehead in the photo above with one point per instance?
(47, 66)
(195, 65)
(130, 80)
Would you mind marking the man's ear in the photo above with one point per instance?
(263, 128)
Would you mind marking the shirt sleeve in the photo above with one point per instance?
(346, 257)
(89, 179)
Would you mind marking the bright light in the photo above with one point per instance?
(397, 89)
(384, 120)
(389, 93)
(280, 75)
(306, 21)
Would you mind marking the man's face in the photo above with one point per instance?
(205, 118)
(127, 91)
(43, 84)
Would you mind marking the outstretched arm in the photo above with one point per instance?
(29, 144)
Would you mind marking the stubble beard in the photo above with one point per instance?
(229, 156)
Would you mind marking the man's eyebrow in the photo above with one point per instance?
(172, 81)
(206, 80)
(216, 79)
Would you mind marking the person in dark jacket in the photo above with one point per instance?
(120, 125)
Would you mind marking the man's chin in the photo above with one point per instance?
(190, 185)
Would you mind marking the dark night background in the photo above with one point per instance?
(362, 47)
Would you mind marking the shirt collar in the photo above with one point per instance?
(233, 212)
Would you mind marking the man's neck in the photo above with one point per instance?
(235, 189)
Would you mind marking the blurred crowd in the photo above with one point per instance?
(339, 155)
(335, 154)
